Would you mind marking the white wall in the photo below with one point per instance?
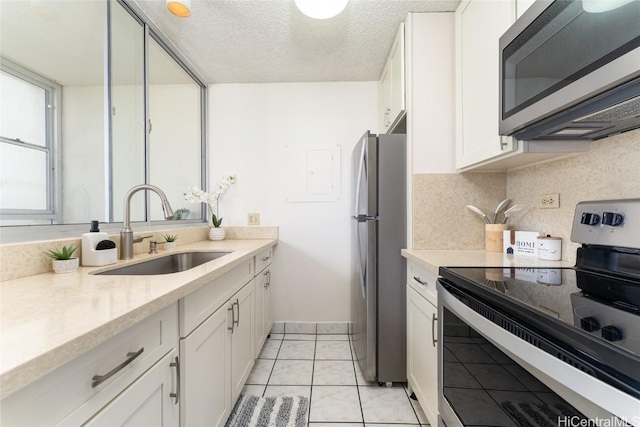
(249, 125)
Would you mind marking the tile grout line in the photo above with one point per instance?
(272, 369)
(406, 393)
(353, 362)
(313, 370)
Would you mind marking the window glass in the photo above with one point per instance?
(23, 115)
(23, 178)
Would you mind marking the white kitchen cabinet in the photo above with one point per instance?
(392, 84)
(422, 352)
(479, 25)
(205, 371)
(80, 389)
(262, 296)
(216, 359)
(152, 400)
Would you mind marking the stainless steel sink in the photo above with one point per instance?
(173, 263)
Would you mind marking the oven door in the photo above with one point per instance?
(491, 377)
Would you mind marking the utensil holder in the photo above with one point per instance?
(493, 237)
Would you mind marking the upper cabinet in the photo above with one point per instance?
(392, 85)
(479, 26)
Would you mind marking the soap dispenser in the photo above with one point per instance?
(97, 249)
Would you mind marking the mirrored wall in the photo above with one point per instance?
(92, 103)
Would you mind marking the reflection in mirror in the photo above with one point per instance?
(52, 112)
(127, 110)
(175, 134)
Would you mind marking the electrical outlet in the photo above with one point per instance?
(549, 201)
(253, 218)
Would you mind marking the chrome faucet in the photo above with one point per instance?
(126, 234)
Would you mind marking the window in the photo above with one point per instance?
(28, 141)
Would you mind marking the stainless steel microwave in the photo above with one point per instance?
(571, 70)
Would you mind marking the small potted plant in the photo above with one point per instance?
(194, 194)
(170, 241)
(62, 260)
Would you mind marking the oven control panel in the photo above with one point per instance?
(607, 223)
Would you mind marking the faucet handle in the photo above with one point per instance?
(153, 247)
(141, 238)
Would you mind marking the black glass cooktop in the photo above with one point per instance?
(592, 316)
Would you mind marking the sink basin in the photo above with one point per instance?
(173, 263)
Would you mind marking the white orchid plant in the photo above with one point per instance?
(194, 194)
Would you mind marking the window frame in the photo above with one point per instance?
(53, 98)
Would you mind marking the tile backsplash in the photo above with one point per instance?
(611, 170)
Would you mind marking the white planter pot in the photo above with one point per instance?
(169, 246)
(217, 233)
(65, 265)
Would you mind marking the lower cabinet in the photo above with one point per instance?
(264, 312)
(152, 400)
(216, 359)
(422, 352)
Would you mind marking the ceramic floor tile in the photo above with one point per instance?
(469, 353)
(333, 328)
(312, 424)
(300, 337)
(275, 337)
(335, 404)
(261, 371)
(476, 407)
(419, 412)
(334, 372)
(389, 425)
(270, 349)
(496, 354)
(292, 372)
(494, 377)
(253, 390)
(360, 378)
(299, 328)
(386, 405)
(529, 381)
(340, 337)
(288, 390)
(333, 350)
(456, 375)
(297, 350)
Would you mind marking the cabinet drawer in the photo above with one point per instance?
(423, 281)
(70, 396)
(198, 305)
(263, 259)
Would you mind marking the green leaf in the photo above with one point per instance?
(216, 221)
(63, 254)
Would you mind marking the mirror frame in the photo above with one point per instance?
(26, 233)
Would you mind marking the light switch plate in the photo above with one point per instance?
(253, 219)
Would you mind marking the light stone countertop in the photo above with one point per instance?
(48, 319)
(432, 260)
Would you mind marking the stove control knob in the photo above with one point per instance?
(612, 219)
(590, 219)
(589, 324)
(611, 333)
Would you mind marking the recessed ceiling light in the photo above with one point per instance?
(321, 9)
(180, 8)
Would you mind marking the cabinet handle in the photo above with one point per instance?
(423, 283)
(99, 379)
(266, 258)
(433, 333)
(233, 317)
(237, 304)
(503, 142)
(176, 365)
(267, 274)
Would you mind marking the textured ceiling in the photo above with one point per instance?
(259, 41)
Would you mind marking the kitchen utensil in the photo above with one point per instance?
(513, 209)
(479, 212)
(501, 206)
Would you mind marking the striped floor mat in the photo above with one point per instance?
(254, 411)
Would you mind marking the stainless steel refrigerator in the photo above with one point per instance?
(378, 283)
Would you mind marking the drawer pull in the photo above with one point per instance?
(268, 278)
(266, 258)
(423, 283)
(176, 365)
(433, 333)
(99, 379)
(233, 317)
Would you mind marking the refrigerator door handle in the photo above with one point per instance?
(360, 270)
(359, 180)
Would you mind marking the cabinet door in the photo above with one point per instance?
(242, 339)
(397, 103)
(422, 352)
(479, 25)
(205, 356)
(146, 402)
(260, 327)
(268, 309)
